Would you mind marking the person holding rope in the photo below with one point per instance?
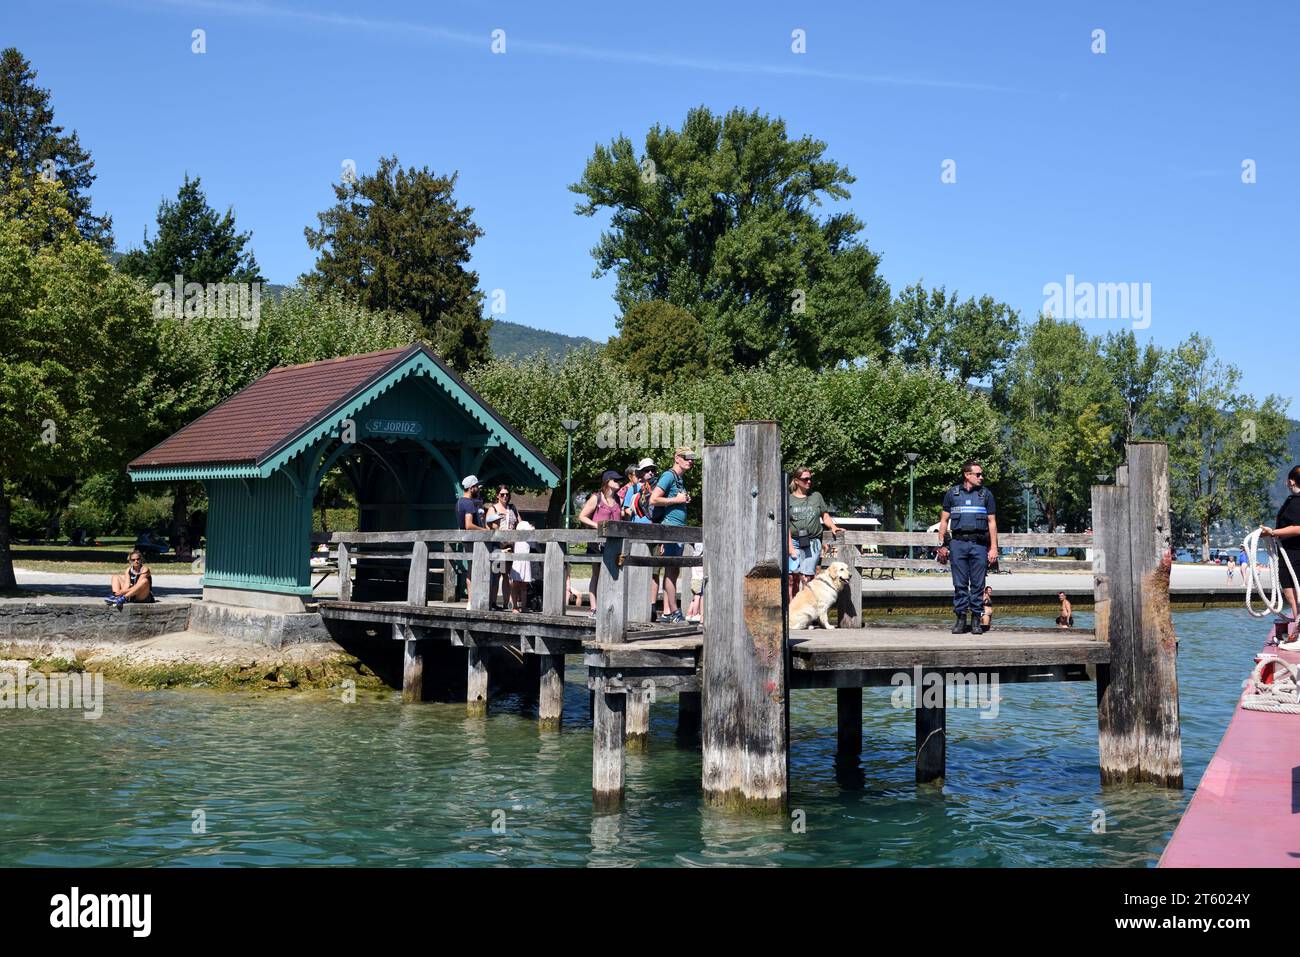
(1287, 536)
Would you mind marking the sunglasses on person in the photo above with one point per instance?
(805, 478)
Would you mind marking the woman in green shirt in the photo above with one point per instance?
(808, 513)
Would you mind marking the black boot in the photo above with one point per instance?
(961, 627)
(976, 626)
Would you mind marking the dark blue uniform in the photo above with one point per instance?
(968, 521)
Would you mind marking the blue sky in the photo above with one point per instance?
(1115, 167)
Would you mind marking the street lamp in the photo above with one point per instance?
(911, 458)
(1028, 514)
(570, 426)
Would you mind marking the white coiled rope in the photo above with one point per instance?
(1273, 599)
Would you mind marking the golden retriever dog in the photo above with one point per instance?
(817, 597)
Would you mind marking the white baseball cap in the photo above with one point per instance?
(469, 481)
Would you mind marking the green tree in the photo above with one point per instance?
(194, 242)
(660, 344)
(74, 337)
(971, 340)
(398, 240)
(1054, 394)
(718, 218)
(32, 144)
(536, 392)
(1224, 446)
(1134, 373)
(200, 246)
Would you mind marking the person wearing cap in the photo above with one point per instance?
(668, 501)
(636, 496)
(601, 507)
(469, 512)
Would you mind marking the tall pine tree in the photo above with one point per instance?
(397, 239)
(194, 242)
(32, 144)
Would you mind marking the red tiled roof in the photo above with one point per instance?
(253, 423)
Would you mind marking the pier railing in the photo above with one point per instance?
(410, 566)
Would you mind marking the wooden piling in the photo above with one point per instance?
(1138, 734)
(848, 722)
(345, 573)
(412, 666)
(550, 693)
(849, 601)
(608, 722)
(476, 677)
(638, 718)
(931, 732)
(554, 600)
(745, 704)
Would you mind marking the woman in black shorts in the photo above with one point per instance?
(1287, 534)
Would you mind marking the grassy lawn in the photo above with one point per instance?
(104, 559)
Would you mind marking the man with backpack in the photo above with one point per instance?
(668, 501)
(974, 544)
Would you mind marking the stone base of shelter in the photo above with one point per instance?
(259, 626)
(282, 602)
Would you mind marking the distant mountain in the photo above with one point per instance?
(511, 340)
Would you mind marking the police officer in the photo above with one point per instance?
(974, 544)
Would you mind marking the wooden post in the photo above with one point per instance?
(638, 717)
(639, 604)
(448, 577)
(931, 732)
(476, 677)
(1138, 734)
(848, 721)
(417, 579)
(611, 597)
(608, 722)
(849, 602)
(412, 667)
(745, 703)
(345, 572)
(609, 711)
(550, 691)
(480, 577)
(554, 600)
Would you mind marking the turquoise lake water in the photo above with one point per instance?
(305, 779)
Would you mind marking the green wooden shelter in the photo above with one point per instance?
(400, 424)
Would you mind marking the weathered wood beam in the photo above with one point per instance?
(848, 722)
(550, 691)
(745, 705)
(608, 719)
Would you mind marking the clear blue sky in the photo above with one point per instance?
(1119, 167)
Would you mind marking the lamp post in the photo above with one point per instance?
(1028, 515)
(570, 426)
(911, 487)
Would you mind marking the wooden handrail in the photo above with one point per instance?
(931, 539)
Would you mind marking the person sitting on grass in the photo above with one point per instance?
(134, 586)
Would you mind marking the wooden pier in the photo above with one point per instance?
(734, 675)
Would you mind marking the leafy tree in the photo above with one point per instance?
(200, 246)
(1224, 446)
(536, 392)
(193, 242)
(32, 144)
(1055, 393)
(660, 344)
(965, 340)
(398, 240)
(718, 219)
(74, 337)
(1134, 373)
